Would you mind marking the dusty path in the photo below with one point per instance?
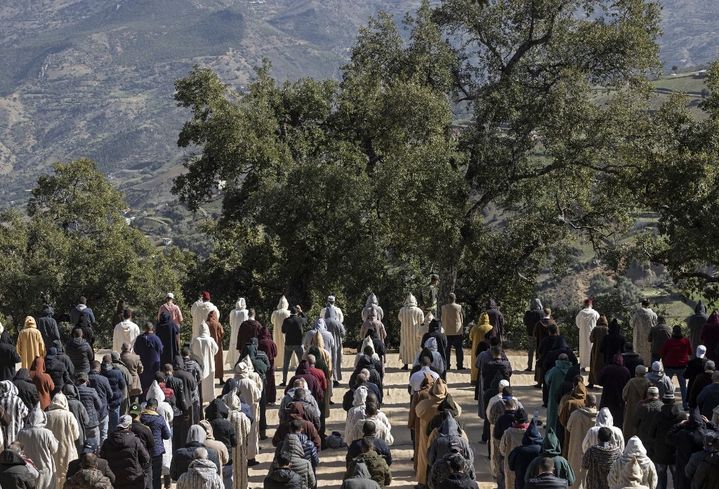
(396, 403)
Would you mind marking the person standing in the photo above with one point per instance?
(160, 432)
(658, 335)
(168, 332)
(171, 308)
(614, 377)
(496, 319)
(710, 336)
(634, 453)
(675, 357)
(8, 361)
(64, 426)
(453, 323)
(200, 311)
(553, 380)
(205, 348)
(126, 456)
(411, 318)
(81, 310)
(634, 392)
(125, 331)
(292, 329)
(522, 456)
(642, 322)
(695, 323)
(541, 332)
(545, 478)
(266, 345)
(334, 321)
(372, 304)
(149, 348)
(586, 320)
(134, 367)
(40, 446)
(532, 316)
(47, 325)
(217, 332)
(239, 315)
(201, 473)
(661, 450)
(596, 337)
(429, 296)
(277, 319)
(580, 422)
(598, 460)
(30, 343)
(250, 328)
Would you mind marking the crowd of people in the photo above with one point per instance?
(153, 411)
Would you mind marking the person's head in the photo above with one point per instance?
(151, 404)
(16, 447)
(124, 423)
(368, 350)
(369, 428)
(656, 367)
(77, 333)
(645, 302)
(283, 460)
(135, 411)
(576, 380)
(553, 330)
(160, 376)
(169, 297)
(205, 296)
(365, 372)
(127, 313)
(546, 464)
(298, 383)
(710, 366)
(452, 297)
(83, 300)
(495, 351)
(456, 463)
(628, 347)
(149, 327)
(81, 378)
(661, 320)
(311, 360)
(125, 347)
(362, 377)
(434, 279)
(296, 426)
(677, 331)
(590, 401)
(365, 445)
(371, 406)
(199, 453)
(563, 356)
(185, 351)
(95, 365)
(653, 393)
(293, 310)
(212, 316)
(668, 397)
(251, 313)
(167, 369)
(547, 312)
(495, 341)
(88, 461)
(604, 435)
(107, 359)
(640, 371)
(425, 361)
(507, 392)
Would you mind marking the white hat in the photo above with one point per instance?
(656, 367)
(701, 351)
(125, 422)
(503, 383)
(330, 298)
(169, 295)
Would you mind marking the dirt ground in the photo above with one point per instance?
(396, 404)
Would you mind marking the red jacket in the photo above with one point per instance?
(675, 352)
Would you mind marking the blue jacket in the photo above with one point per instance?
(76, 313)
(159, 428)
(101, 385)
(116, 381)
(80, 353)
(92, 403)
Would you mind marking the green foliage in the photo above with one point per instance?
(75, 241)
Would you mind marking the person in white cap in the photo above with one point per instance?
(411, 318)
(278, 317)
(657, 378)
(586, 320)
(490, 404)
(239, 315)
(171, 308)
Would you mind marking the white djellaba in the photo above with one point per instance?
(199, 311)
(278, 317)
(249, 388)
(411, 318)
(239, 315)
(205, 347)
(242, 427)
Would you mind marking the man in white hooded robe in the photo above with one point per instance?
(249, 389)
(372, 304)
(239, 315)
(205, 347)
(242, 426)
(200, 310)
(642, 322)
(278, 317)
(411, 318)
(40, 446)
(586, 320)
(334, 320)
(62, 423)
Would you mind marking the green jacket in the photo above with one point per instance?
(378, 468)
(552, 449)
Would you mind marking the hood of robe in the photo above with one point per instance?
(449, 426)
(233, 401)
(178, 363)
(491, 304)
(360, 396)
(295, 410)
(431, 344)
(59, 402)
(30, 322)
(633, 472)
(154, 392)
(410, 301)
(209, 432)
(563, 365)
(283, 305)
(22, 374)
(439, 389)
(318, 340)
(70, 391)
(614, 329)
(550, 445)
(36, 418)
(8, 389)
(320, 324)
(367, 341)
(165, 317)
(9, 458)
(197, 434)
(700, 309)
(618, 359)
(47, 311)
(361, 471)
(579, 392)
(264, 333)
(484, 321)
(38, 366)
(532, 436)
(372, 300)
(204, 468)
(303, 367)
(126, 325)
(434, 325)
(241, 304)
(242, 370)
(535, 305)
(634, 449)
(204, 330)
(604, 418)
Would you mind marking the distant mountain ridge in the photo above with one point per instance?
(95, 78)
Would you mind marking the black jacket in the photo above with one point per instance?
(80, 354)
(57, 370)
(380, 446)
(47, 326)
(93, 404)
(145, 435)
(26, 388)
(8, 359)
(183, 456)
(546, 481)
(224, 432)
(688, 438)
(660, 450)
(435, 331)
(14, 472)
(292, 327)
(459, 481)
(102, 465)
(126, 456)
(102, 386)
(279, 478)
(116, 381)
